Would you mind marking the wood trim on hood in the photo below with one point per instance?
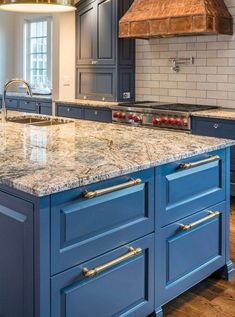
(165, 18)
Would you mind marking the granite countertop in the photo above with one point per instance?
(46, 160)
(89, 103)
(221, 113)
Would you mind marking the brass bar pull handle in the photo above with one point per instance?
(211, 214)
(132, 252)
(99, 192)
(198, 163)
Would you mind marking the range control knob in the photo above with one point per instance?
(172, 121)
(164, 120)
(121, 115)
(156, 121)
(182, 122)
(137, 119)
(130, 116)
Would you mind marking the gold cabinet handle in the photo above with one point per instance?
(99, 192)
(211, 214)
(132, 252)
(198, 163)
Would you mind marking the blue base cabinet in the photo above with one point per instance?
(121, 247)
(218, 128)
(85, 113)
(28, 104)
(125, 289)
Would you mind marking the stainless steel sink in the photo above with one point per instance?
(37, 121)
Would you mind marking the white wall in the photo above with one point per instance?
(64, 56)
(210, 81)
(63, 50)
(7, 40)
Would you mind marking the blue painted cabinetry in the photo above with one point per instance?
(105, 64)
(120, 247)
(87, 113)
(31, 105)
(219, 128)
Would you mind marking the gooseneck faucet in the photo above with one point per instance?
(6, 86)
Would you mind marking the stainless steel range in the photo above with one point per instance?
(156, 114)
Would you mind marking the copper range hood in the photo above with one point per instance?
(164, 18)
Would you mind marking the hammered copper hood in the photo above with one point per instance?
(162, 18)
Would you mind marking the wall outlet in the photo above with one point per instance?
(126, 95)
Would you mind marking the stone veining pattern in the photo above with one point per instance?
(222, 113)
(46, 160)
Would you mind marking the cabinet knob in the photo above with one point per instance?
(94, 62)
(68, 109)
(96, 113)
(215, 126)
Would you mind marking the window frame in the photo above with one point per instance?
(27, 60)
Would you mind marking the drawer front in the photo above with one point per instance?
(27, 105)
(44, 107)
(69, 111)
(123, 289)
(84, 228)
(186, 257)
(11, 103)
(214, 127)
(98, 115)
(182, 192)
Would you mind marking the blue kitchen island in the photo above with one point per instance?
(104, 220)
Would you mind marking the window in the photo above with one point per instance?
(38, 53)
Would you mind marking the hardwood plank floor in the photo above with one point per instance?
(210, 298)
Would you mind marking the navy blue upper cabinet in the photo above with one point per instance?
(86, 34)
(105, 63)
(96, 32)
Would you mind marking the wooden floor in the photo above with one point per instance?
(210, 298)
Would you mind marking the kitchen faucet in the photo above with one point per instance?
(6, 86)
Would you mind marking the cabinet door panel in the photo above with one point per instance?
(98, 115)
(86, 35)
(181, 192)
(106, 32)
(124, 289)
(82, 229)
(96, 84)
(16, 245)
(185, 257)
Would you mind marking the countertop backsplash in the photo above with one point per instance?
(210, 81)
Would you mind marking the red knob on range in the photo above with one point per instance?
(164, 120)
(116, 114)
(171, 121)
(156, 121)
(121, 115)
(137, 119)
(181, 122)
(130, 116)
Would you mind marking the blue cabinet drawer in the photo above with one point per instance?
(83, 228)
(124, 288)
(69, 111)
(44, 107)
(214, 127)
(28, 106)
(98, 115)
(11, 103)
(218, 128)
(185, 257)
(183, 191)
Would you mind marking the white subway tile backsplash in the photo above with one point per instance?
(210, 81)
